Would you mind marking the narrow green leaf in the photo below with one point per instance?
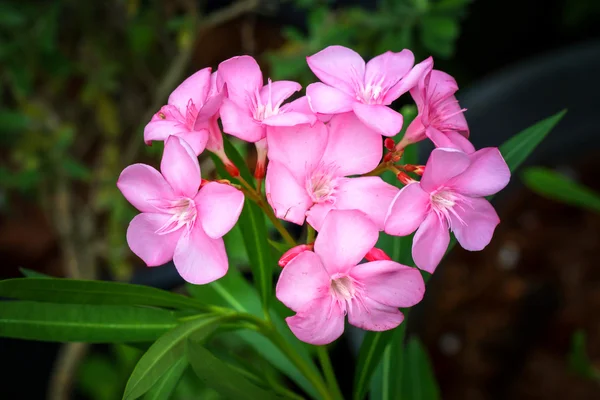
(29, 273)
(417, 379)
(216, 374)
(557, 187)
(579, 361)
(385, 384)
(83, 322)
(165, 352)
(168, 382)
(516, 149)
(92, 292)
(369, 356)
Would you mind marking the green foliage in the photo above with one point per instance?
(166, 385)
(579, 362)
(557, 187)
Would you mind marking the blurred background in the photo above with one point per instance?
(79, 80)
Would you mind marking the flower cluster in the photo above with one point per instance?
(320, 156)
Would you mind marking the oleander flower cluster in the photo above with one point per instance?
(320, 157)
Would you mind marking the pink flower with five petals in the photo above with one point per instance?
(179, 221)
(449, 196)
(308, 169)
(324, 286)
(189, 112)
(348, 84)
(250, 107)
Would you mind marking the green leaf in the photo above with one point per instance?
(557, 187)
(166, 385)
(516, 149)
(386, 382)
(75, 291)
(233, 291)
(417, 381)
(83, 322)
(165, 353)
(579, 361)
(216, 374)
(371, 350)
(29, 273)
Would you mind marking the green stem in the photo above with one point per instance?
(332, 382)
(310, 234)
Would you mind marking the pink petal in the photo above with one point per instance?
(299, 148)
(161, 129)
(443, 165)
(321, 323)
(443, 140)
(276, 92)
(408, 210)
(487, 174)
(194, 88)
(409, 81)
(197, 140)
(339, 67)
(390, 283)
(382, 119)
(344, 239)
(440, 86)
(302, 281)
(369, 194)
(430, 243)
(290, 118)
(301, 105)
(154, 249)
(144, 187)
(285, 194)
(388, 68)
(328, 100)
(211, 107)
(243, 78)
(238, 122)
(461, 142)
(317, 213)
(373, 316)
(415, 131)
(180, 167)
(478, 224)
(219, 207)
(352, 146)
(200, 259)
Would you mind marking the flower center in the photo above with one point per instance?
(444, 203)
(344, 289)
(262, 111)
(322, 183)
(441, 111)
(183, 214)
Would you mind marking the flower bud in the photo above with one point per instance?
(376, 254)
(293, 252)
(389, 144)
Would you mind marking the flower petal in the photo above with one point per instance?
(440, 85)
(144, 242)
(409, 81)
(243, 78)
(144, 187)
(290, 118)
(317, 213)
(339, 67)
(390, 283)
(442, 140)
(430, 243)
(369, 194)
(344, 239)
(461, 142)
(180, 167)
(197, 140)
(415, 131)
(200, 259)
(161, 129)
(320, 323)
(301, 105)
(325, 99)
(276, 92)
(219, 207)
(478, 224)
(388, 68)
(382, 119)
(302, 281)
(407, 211)
(194, 88)
(299, 148)
(352, 146)
(443, 165)
(287, 197)
(239, 123)
(373, 316)
(487, 174)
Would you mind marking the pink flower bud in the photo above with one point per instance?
(376, 254)
(293, 252)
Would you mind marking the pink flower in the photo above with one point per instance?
(450, 195)
(440, 117)
(178, 221)
(325, 285)
(250, 107)
(366, 89)
(306, 175)
(188, 112)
